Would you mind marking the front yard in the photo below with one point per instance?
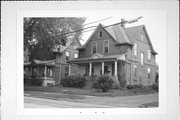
(89, 92)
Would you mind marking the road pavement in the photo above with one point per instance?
(44, 99)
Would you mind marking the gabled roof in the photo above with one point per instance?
(133, 32)
(116, 32)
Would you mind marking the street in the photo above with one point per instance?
(58, 100)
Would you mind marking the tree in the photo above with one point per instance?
(42, 34)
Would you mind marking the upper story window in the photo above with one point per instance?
(142, 58)
(149, 54)
(135, 49)
(135, 70)
(100, 34)
(149, 73)
(67, 55)
(94, 48)
(76, 55)
(106, 46)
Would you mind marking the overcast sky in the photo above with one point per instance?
(154, 21)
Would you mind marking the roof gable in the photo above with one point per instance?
(134, 32)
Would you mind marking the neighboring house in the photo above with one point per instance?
(52, 71)
(118, 51)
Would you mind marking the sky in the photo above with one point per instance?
(154, 21)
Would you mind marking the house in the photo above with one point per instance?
(118, 51)
(50, 72)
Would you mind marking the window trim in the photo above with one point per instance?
(135, 49)
(142, 59)
(100, 34)
(149, 72)
(135, 70)
(66, 55)
(149, 54)
(92, 47)
(104, 46)
(76, 54)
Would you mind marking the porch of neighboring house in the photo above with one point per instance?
(40, 72)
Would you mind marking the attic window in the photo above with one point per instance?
(67, 55)
(149, 54)
(135, 49)
(100, 34)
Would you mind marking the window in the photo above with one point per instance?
(149, 73)
(87, 70)
(149, 54)
(76, 55)
(106, 46)
(94, 47)
(100, 34)
(135, 70)
(135, 49)
(142, 58)
(67, 55)
(66, 71)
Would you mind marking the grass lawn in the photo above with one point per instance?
(88, 92)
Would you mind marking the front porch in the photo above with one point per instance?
(100, 67)
(39, 73)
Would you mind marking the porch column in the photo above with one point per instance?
(90, 69)
(115, 68)
(102, 68)
(45, 71)
(69, 69)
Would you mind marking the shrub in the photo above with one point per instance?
(37, 82)
(74, 81)
(129, 87)
(155, 86)
(122, 80)
(138, 86)
(103, 82)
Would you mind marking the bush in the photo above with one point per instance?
(74, 81)
(122, 80)
(103, 82)
(37, 82)
(129, 87)
(155, 86)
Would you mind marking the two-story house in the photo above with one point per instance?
(116, 50)
(50, 72)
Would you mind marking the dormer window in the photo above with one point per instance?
(149, 54)
(135, 49)
(106, 46)
(94, 47)
(100, 34)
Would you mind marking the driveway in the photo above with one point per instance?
(69, 100)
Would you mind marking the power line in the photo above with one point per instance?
(97, 21)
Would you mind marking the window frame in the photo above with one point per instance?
(100, 34)
(75, 55)
(104, 46)
(149, 54)
(135, 70)
(135, 49)
(67, 57)
(93, 47)
(149, 72)
(142, 58)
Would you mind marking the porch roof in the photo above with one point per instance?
(40, 63)
(99, 58)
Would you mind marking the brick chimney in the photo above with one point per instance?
(123, 23)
